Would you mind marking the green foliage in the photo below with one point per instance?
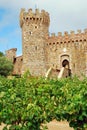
(27, 74)
(26, 103)
(1, 54)
(75, 109)
(6, 66)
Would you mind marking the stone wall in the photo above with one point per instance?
(71, 47)
(18, 61)
(11, 54)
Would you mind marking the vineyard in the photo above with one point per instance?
(27, 103)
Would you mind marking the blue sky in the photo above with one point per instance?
(65, 15)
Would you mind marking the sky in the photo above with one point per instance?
(65, 15)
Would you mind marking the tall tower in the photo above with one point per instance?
(35, 27)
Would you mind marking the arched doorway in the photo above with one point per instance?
(65, 64)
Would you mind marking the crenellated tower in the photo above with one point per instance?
(11, 54)
(35, 26)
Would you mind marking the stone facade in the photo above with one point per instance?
(17, 60)
(42, 51)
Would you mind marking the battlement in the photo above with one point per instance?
(69, 34)
(72, 37)
(11, 50)
(41, 17)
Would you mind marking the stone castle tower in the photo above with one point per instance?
(45, 54)
(35, 27)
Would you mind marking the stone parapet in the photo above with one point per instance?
(38, 17)
(78, 39)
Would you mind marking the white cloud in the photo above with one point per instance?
(65, 15)
(62, 5)
(71, 12)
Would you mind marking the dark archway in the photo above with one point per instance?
(65, 64)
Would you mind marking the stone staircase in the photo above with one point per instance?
(55, 73)
(55, 125)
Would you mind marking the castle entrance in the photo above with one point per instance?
(67, 71)
(65, 64)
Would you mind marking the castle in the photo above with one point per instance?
(44, 54)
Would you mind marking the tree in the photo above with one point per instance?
(1, 54)
(6, 66)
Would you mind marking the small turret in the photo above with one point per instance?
(11, 54)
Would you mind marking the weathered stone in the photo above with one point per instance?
(41, 51)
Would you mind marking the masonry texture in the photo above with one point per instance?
(42, 51)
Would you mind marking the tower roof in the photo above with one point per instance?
(41, 17)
